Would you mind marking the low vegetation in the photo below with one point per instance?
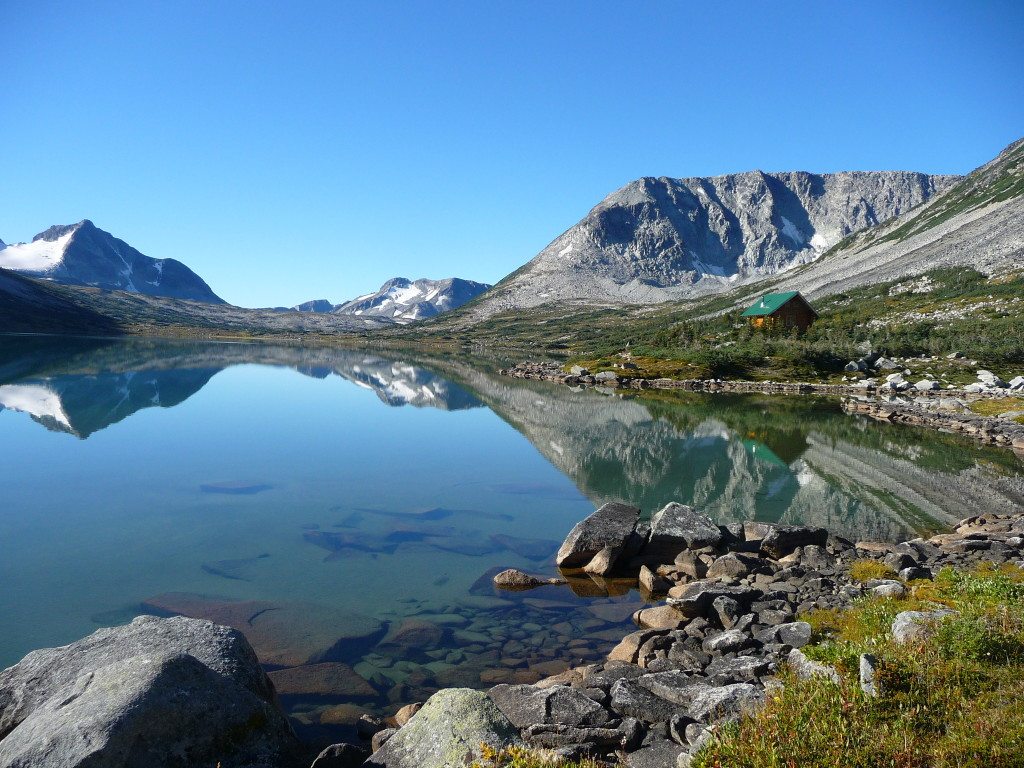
(999, 407)
(944, 311)
(867, 569)
(519, 757)
(950, 700)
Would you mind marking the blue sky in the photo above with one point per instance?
(289, 151)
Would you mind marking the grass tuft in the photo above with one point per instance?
(867, 569)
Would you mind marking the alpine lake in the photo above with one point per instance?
(347, 509)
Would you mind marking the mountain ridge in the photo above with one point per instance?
(658, 239)
(402, 300)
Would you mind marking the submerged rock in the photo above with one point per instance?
(514, 579)
(282, 634)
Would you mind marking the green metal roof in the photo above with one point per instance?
(768, 303)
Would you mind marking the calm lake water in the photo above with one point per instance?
(345, 509)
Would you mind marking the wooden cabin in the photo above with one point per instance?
(789, 310)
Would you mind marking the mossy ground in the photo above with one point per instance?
(999, 406)
(951, 700)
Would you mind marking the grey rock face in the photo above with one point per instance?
(83, 254)
(658, 239)
(34, 679)
(159, 692)
(526, 705)
(609, 526)
(447, 732)
(974, 223)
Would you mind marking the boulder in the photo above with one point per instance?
(659, 617)
(447, 731)
(523, 705)
(784, 539)
(660, 753)
(629, 646)
(341, 756)
(805, 668)
(143, 694)
(735, 565)
(724, 702)
(631, 699)
(513, 579)
(913, 626)
(696, 599)
(927, 385)
(609, 526)
(869, 674)
(794, 634)
(676, 527)
(728, 641)
(404, 715)
(412, 638)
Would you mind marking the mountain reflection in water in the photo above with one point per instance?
(738, 457)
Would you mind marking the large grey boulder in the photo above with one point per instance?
(676, 527)
(913, 626)
(526, 705)
(447, 732)
(157, 692)
(610, 526)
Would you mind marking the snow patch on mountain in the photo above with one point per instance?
(38, 257)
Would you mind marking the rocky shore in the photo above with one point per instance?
(731, 617)
(727, 613)
(924, 404)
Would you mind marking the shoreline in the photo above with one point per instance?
(872, 401)
(729, 619)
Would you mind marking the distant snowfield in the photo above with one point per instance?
(38, 256)
(34, 400)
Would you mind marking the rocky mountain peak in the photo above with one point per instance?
(57, 231)
(661, 238)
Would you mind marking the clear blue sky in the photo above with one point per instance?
(289, 151)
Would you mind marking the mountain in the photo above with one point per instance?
(659, 239)
(30, 305)
(401, 300)
(316, 305)
(978, 222)
(83, 254)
